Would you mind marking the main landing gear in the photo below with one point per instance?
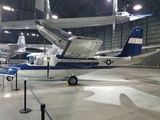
(9, 78)
(73, 80)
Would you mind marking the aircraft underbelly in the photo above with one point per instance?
(53, 73)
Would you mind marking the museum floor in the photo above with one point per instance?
(110, 94)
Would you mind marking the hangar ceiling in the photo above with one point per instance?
(24, 10)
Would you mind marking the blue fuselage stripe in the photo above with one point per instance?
(27, 67)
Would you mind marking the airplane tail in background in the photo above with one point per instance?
(21, 40)
(42, 9)
(133, 45)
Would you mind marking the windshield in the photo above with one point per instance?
(36, 61)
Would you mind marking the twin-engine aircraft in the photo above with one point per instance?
(78, 54)
(78, 58)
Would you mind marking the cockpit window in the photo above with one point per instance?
(119, 13)
(39, 61)
(31, 60)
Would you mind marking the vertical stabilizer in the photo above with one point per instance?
(21, 40)
(42, 9)
(133, 45)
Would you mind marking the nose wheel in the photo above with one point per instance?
(9, 78)
(73, 80)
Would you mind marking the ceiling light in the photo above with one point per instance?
(37, 35)
(137, 7)
(54, 16)
(109, 0)
(69, 32)
(27, 33)
(8, 8)
(6, 32)
(33, 34)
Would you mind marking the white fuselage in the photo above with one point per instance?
(66, 67)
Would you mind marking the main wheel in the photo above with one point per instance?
(9, 78)
(73, 80)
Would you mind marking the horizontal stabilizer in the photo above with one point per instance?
(147, 54)
(81, 47)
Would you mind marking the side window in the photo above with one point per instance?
(39, 62)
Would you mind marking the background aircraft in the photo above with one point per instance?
(62, 23)
(10, 50)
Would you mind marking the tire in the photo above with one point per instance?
(9, 78)
(73, 80)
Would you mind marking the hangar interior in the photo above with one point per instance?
(24, 10)
(112, 94)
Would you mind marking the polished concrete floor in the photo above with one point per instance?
(111, 94)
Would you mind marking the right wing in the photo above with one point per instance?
(65, 22)
(81, 47)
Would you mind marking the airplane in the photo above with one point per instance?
(136, 16)
(10, 50)
(62, 23)
(78, 58)
(78, 53)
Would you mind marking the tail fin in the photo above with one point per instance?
(21, 40)
(42, 9)
(133, 45)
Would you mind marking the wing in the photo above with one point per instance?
(85, 22)
(81, 47)
(66, 22)
(25, 24)
(38, 47)
(19, 48)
